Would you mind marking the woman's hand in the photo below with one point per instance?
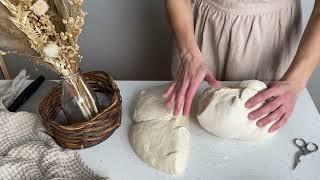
(283, 94)
(280, 98)
(192, 71)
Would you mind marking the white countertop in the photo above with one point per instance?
(211, 157)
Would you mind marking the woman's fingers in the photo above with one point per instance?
(170, 90)
(180, 96)
(171, 95)
(211, 80)
(261, 97)
(265, 109)
(170, 102)
(279, 123)
(191, 91)
(274, 116)
(284, 94)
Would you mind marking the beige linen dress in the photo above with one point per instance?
(246, 39)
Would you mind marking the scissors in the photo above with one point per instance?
(304, 149)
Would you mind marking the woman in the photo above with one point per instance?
(239, 40)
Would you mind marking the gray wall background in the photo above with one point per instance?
(132, 41)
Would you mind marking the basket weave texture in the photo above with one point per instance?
(85, 134)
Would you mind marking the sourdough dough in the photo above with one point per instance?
(150, 106)
(222, 112)
(158, 137)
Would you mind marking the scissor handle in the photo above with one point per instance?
(306, 148)
(300, 142)
(312, 147)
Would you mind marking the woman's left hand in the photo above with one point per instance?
(280, 98)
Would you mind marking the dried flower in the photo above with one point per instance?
(52, 28)
(40, 8)
(3, 53)
(51, 50)
(63, 36)
(64, 21)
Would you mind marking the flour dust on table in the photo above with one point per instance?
(158, 137)
(222, 112)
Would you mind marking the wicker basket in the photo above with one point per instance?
(89, 133)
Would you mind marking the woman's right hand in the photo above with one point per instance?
(191, 72)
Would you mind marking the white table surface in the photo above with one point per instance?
(211, 157)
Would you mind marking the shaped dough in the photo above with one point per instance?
(158, 137)
(222, 112)
(150, 106)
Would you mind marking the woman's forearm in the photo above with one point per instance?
(308, 55)
(181, 19)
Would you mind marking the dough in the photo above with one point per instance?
(161, 144)
(150, 106)
(222, 112)
(158, 137)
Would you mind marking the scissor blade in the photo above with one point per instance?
(297, 160)
(295, 164)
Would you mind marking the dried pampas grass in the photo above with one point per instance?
(51, 28)
(11, 38)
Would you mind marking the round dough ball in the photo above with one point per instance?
(223, 113)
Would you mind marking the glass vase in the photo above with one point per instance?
(79, 102)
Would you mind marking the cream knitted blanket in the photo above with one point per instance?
(26, 151)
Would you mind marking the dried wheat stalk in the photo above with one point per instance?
(52, 28)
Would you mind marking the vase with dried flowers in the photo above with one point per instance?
(52, 29)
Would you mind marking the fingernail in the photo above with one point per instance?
(176, 112)
(271, 130)
(259, 124)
